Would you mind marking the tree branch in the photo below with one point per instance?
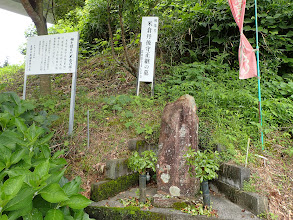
(34, 9)
(120, 63)
(133, 68)
(39, 8)
(30, 11)
(150, 8)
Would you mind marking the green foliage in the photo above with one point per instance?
(148, 159)
(199, 209)
(268, 215)
(29, 174)
(227, 106)
(62, 7)
(131, 114)
(117, 103)
(194, 31)
(6, 74)
(189, 30)
(202, 165)
(134, 202)
(249, 186)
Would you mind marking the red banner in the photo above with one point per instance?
(246, 55)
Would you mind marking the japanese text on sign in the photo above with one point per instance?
(149, 36)
(51, 54)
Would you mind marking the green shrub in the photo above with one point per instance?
(148, 159)
(227, 106)
(31, 177)
(203, 165)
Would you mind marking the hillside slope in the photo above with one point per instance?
(116, 115)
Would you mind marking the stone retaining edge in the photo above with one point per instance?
(134, 213)
(109, 188)
(253, 202)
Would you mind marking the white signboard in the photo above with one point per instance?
(149, 37)
(51, 54)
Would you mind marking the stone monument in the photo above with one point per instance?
(179, 131)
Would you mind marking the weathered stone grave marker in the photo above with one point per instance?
(179, 131)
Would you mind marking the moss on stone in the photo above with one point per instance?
(179, 205)
(140, 144)
(115, 213)
(106, 189)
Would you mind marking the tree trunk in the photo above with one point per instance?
(34, 9)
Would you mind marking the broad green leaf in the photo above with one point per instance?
(63, 181)
(19, 171)
(58, 163)
(20, 201)
(55, 177)
(47, 138)
(66, 211)
(3, 217)
(57, 154)
(77, 202)
(14, 97)
(33, 133)
(32, 180)
(10, 138)
(72, 187)
(4, 119)
(55, 214)
(5, 154)
(54, 193)
(79, 214)
(2, 175)
(86, 216)
(42, 169)
(21, 127)
(12, 186)
(35, 214)
(2, 166)
(13, 215)
(8, 108)
(45, 151)
(27, 105)
(18, 155)
(42, 205)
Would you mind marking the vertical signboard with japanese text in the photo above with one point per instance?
(149, 37)
(53, 54)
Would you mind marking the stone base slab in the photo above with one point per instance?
(165, 201)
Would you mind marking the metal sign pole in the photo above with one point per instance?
(88, 129)
(24, 87)
(137, 88)
(73, 92)
(72, 103)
